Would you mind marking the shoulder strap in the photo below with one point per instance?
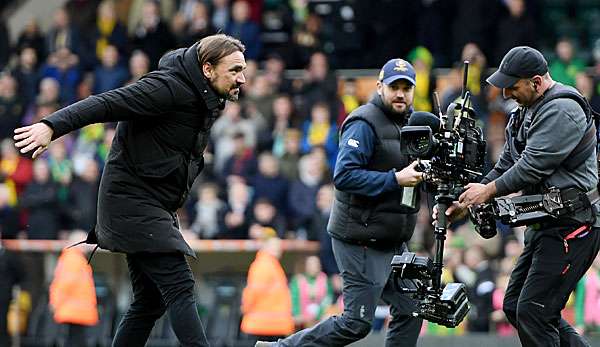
(589, 141)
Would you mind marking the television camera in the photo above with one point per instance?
(454, 148)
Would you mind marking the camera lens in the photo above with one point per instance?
(487, 230)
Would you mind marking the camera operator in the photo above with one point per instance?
(542, 150)
(368, 224)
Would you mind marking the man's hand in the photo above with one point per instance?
(409, 177)
(477, 193)
(454, 212)
(36, 136)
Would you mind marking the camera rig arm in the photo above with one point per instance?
(530, 209)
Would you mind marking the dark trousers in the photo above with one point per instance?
(544, 277)
(76, 336)
(161, 282)
(4, 336)
(366, 273)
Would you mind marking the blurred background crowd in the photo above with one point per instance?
(271, 156)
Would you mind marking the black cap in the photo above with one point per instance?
(520, 62)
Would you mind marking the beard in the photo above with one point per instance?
(232, 95)
(228, 93)
(390, 108)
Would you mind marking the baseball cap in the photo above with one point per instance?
(520, 62)
(396, 69)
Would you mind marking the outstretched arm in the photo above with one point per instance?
(149, 97)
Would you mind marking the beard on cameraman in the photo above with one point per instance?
(547, 140)
(368, 224)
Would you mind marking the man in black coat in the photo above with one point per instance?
(164, 121)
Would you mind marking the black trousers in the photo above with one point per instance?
(366, 273)
(161, 282)
(76, 336)
(545, 275)
(5, 339)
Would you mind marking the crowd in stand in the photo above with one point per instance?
(270, 158)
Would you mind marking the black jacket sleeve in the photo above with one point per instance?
(148, 97)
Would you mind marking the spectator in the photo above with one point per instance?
(27, 75)
(208, 207)
(269, 183)
(9, 217)
(11, 272)
(104, 146)
(266, 221)
(245, 29)
(61, 169)
(11, 106)
(234, 219)
(83, 197)
(73, 295)
(266, 301)
(40, 198)
(4, 44)
(283, 119)
(319, 84)
(15, 171)
(108, 30)
(320, 131)
(312, 294)
(261, 94)
(422, 60)
(86, 87)
(242, 162)
(474, 21)
(302, 195)
(587, 300)
(186, 9)
(220, 14)
(478, 63)
(308, 39)
(49, 91)
(349, 100)
(110, 74)
(227, 125)
(289, 159)
(516, 29)
(166, 9)
(478, 277)
(31, 37)
(585, 85)
(318, 228)
(62, 34)
(63, 66)
(198, 27)
(498, 318)
(565, 68)
(41, 109)
(274, 68)
(139, 65)
(152, 35)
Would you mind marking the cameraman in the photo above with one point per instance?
(368, 224)
(542, 151)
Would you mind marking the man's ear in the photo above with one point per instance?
(207, 70)
(379, 87)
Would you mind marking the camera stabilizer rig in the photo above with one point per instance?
(447, 305)
(456, 150)
(529, 209)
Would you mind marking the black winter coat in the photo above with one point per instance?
(164, 120)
